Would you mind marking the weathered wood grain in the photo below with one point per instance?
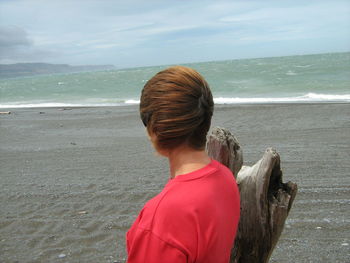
(265, 199)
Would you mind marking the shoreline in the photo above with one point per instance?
(74, 180)
(136, 105)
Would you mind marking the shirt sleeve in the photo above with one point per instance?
(146, 247)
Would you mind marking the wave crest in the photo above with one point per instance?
(307, 98)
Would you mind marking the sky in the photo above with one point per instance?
(144, 33)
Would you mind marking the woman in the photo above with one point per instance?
(195, 217)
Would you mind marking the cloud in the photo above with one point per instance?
(134, 33)
(16, 46)
(12, 36)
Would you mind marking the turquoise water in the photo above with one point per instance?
(307, 78)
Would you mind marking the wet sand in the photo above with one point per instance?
(72, 181)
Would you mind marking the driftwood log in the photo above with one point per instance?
(265, 199)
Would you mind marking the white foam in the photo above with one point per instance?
(307, 98)
(291, 73)
(132, 101)
(55, 105)
(332, 97)
(39, 105)
(310, 97)
(303, 66)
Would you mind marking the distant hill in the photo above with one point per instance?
(30, 69)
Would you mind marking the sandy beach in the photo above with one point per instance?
(73, 180)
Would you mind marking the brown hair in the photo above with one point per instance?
(176, 106)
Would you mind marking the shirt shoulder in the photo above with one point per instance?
(187, 194)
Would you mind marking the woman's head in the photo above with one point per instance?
(176, 107)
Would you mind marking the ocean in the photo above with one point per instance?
(291, 79)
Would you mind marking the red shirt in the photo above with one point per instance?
(194, 219)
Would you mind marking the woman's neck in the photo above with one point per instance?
(183, 160)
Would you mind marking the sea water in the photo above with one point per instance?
(305, 78)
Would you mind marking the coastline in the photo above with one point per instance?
(135, 103)
(74, 180)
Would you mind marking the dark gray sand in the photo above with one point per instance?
(72, 181)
